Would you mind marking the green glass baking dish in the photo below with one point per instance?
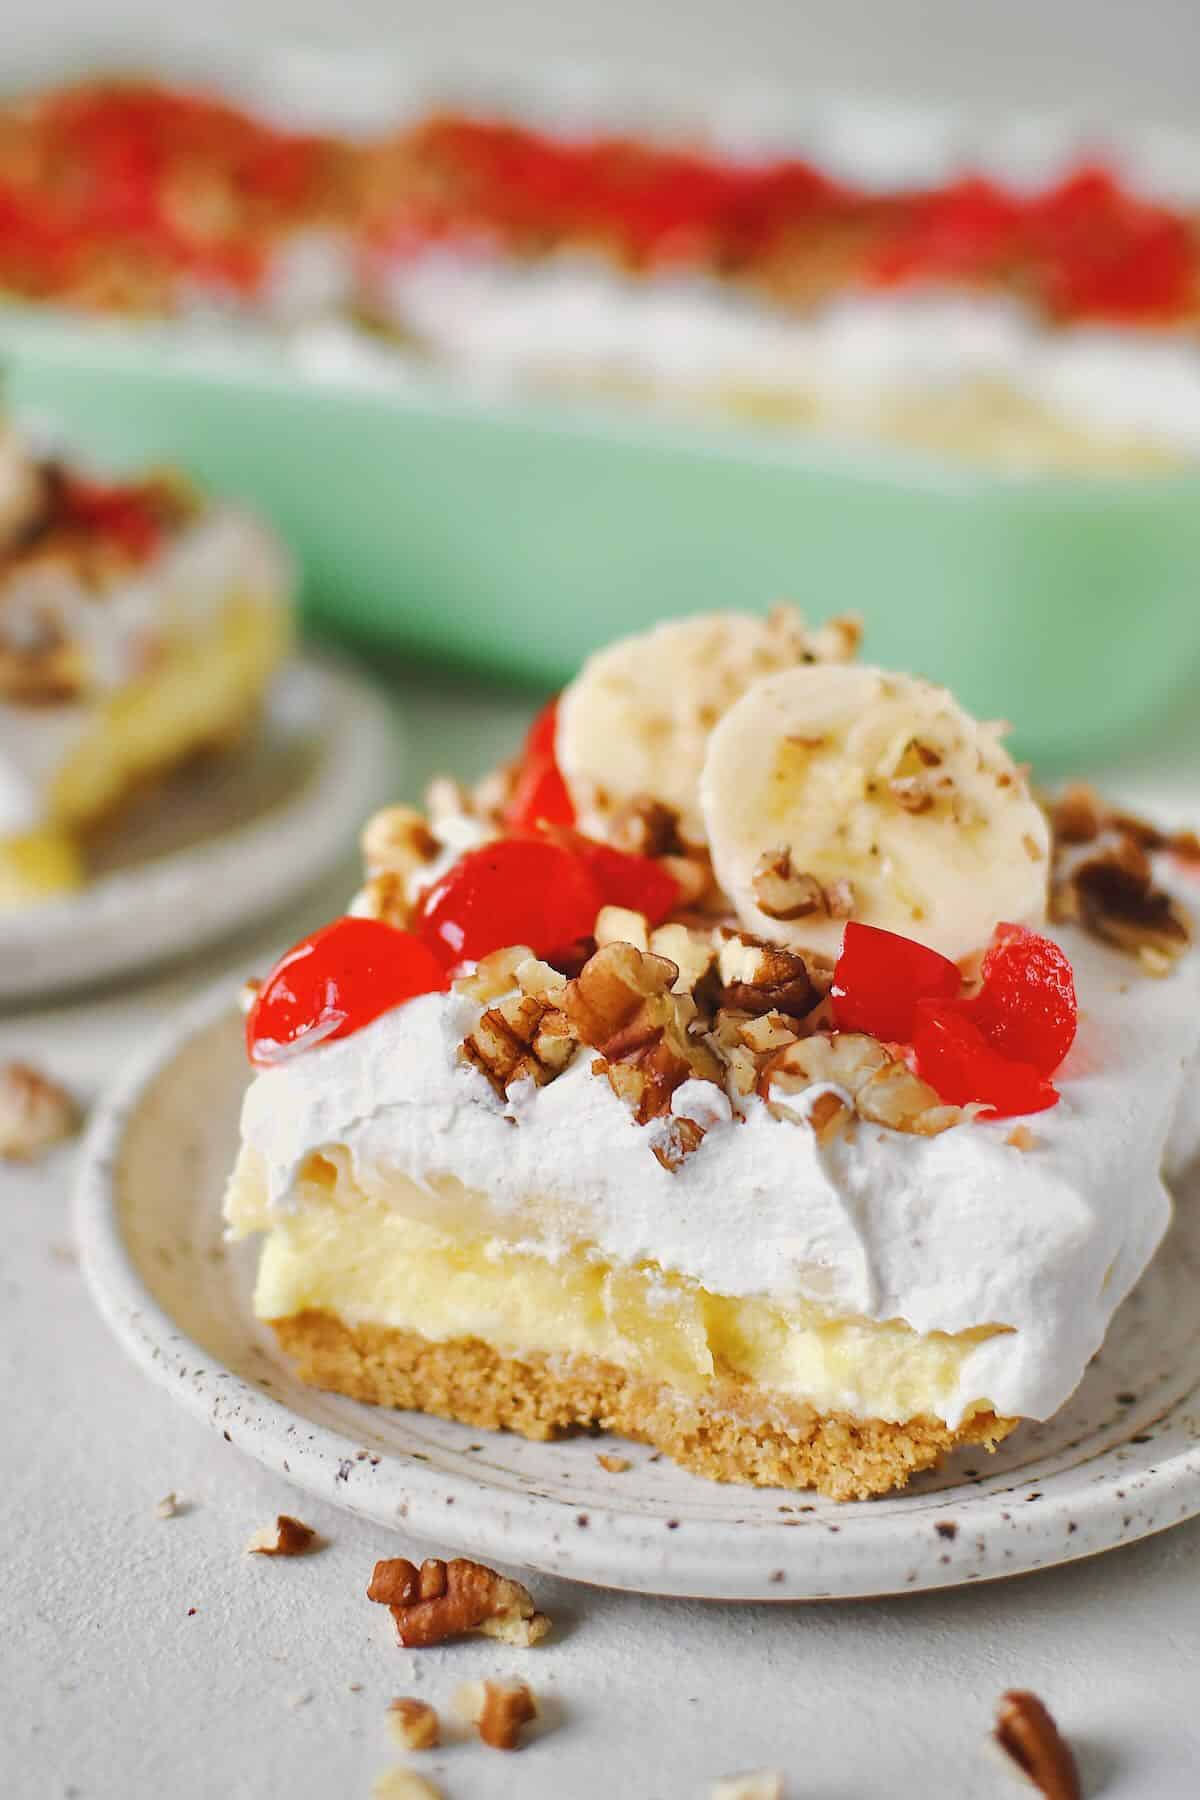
(512, 536)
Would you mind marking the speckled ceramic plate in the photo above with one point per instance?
(219, 846)
(1121, 1460)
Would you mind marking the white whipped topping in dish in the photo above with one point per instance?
(946, 1233)
(574, 317)
(223, 554)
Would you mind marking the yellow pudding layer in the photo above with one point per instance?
(368, 1262)
(201, 693)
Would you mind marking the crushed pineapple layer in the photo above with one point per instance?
(201, 692)
(368, 1261)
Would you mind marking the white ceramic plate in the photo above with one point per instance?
(1121, 1460)
(221, 846)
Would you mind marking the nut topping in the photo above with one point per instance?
(497, 1709)
(414, 1724)
(783, 892)
(287, 1537)
(1107, 886)
(35, 1112)
(881, 1087)
(1030, 1739)
(757, 978)
(520, 1039)
(445, 1599)
(397, 841)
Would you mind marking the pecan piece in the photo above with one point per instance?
(784, 892)
(397, 840)
(1028, 1736)
(757, 977)
(35, 1112)
(445, 1599)
(497, 1709)
(519, 1039)
(414, 1724)
(646, 826)
(1112, 894)
(286, 1537)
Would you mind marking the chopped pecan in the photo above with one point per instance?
(676, 1141)
(397, 840)
(403, 1784)
(414, 1723)
(35, 1112)
(648, 827)
(446, 798)
(693, 953)
(621, 925)
(883, 1089)
(520, 1039)
(757, 977)
(445, 1599)
(494, 974)
(613, 988)
(1078, 815)
(783, 892)
(1111, 892)
(286, 1537)
(385, 896)
(692, 873)
(614, 1465)
(1028, 1736)
(758, 1784)
(829, 1116)
(497, 1709)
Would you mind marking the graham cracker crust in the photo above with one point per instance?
(731, 1431)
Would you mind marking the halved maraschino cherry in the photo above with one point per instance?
(879, 979)
(539, 793)
(1026, 1007)
(625, 878)
(334, 982)
(518, 890)
(957, 1061)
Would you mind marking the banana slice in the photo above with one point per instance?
(835, 792)
(636, 721)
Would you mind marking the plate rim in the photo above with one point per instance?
(359, 757)
(441, 1505)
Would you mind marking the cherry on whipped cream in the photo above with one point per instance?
(954, 1057)
(515, 890)
(539, 795)
(1026, 1007)
(333, 983)
(879, 979)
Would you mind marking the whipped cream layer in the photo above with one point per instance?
(174, 599)
(947, 1234)
(577, 319)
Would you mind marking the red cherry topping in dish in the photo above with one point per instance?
(626, 879)
(539, 794)
(955, 1058)
(334, 982)
(518, 890)
(1026, 1007)
(123, 514)
(879, 979)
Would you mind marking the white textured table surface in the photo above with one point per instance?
(147, 1657)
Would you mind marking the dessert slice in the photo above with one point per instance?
(713, 1076)
(139, 626)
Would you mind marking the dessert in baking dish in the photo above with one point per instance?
(964, 301)
(139, 626)
(754, 1068)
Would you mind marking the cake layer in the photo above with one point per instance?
(144, 686)
(202, 693)
(371, 1263)
(948, 1234)
(730, 1432)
